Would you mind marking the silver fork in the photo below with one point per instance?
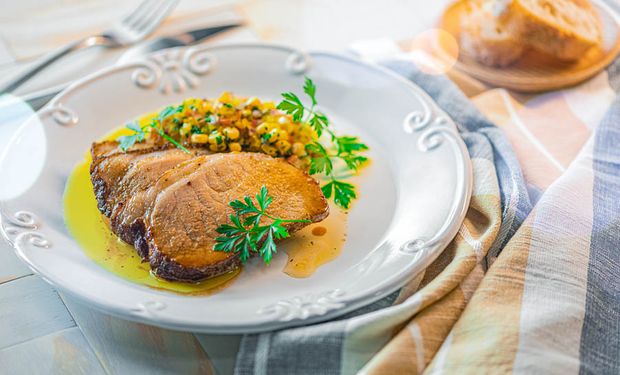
(131, 29)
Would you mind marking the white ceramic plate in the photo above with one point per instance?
(412, 198)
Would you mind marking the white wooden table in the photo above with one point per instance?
(44, 332)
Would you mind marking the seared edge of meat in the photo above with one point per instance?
(168, 269)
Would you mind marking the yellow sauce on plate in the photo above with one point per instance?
(316, 244)
(87, 226)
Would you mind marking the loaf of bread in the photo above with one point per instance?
(485, 37)
(565, 29)
(497, 32)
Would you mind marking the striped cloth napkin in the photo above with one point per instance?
(531, 283)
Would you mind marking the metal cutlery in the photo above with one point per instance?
(37, 101)
(184, 39)
(131, 29)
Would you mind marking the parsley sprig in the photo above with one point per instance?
(345, 149)
(139, 132)
(246, 235)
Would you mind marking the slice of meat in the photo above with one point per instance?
(109, 166)
(117, 176)
(182, 224)
(107, 169)
(128, 221)
(168, 203)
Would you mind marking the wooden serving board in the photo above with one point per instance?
(535, 71)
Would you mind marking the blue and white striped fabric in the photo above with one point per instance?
(550, 301)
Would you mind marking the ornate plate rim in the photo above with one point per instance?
(319, 307)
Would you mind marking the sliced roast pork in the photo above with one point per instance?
(168, 204)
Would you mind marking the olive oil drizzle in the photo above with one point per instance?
(315, 244)
(88, 228)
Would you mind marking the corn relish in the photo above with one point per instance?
(233, 124)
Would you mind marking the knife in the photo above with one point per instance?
(187, 38)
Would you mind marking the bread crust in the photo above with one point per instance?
(545, 34)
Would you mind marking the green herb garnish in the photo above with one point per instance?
(126, 141)
(342, 191)
(344, 148)
(139, 132)
(246, 235)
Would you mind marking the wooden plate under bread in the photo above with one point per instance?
(535, 71)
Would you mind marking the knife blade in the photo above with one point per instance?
(184, 39)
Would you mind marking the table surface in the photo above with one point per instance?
(42, 331)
